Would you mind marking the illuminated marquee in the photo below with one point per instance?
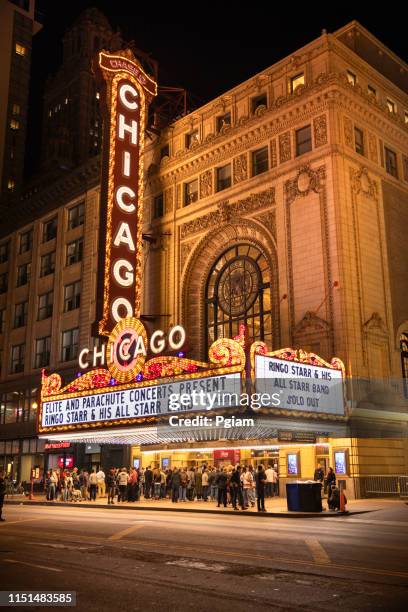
(127, 94)
(307, 384)
(140, 391)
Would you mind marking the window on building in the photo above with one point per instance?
(158, 206)
(404, 361)
(359, 140)
(190, 192)
(4, 252)
(17, 358)
(20, 314)
(258, 101)
(16, 109)
(303, 140)
(238, 291)
(260, 161)
(50, 229)
(23, 274)
(223, 177)
(74, 252)
(2, 320)
(26, 241)
(391, 162)
(391, 106)
(42, 352)
(3, 282)
(165, 151)
(47, 264)
(45, 304)
(351, 77)
(371, 91)
(192, 138)
(72, 296)
(223, 121)
(14, 124)
(296, 81)
(70, 344)
(20, 49)
(406, 117)
(76, 216)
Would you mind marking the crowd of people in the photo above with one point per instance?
(235, 486)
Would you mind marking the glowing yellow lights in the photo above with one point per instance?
(128, 335)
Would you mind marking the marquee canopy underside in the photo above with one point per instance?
(264, 429)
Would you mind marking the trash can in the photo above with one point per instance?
(304, 496)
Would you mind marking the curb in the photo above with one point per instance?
(285, 514)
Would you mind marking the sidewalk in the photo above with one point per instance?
(275, 507)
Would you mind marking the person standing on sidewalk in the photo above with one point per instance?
(148, 479)
(270, 479)
(204, 483)
(101, 483)
(2, 494)
(260, 479)
(93, 485)
(247, 483)
(236, 491)
(175, 485)
(123, 478)
(111, 484)
(221, 483)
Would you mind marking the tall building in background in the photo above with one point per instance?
(71, 126)
(18, 25)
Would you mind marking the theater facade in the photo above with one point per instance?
(267, 229)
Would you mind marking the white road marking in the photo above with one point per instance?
(45, 567)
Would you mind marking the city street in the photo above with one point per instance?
(149, 560)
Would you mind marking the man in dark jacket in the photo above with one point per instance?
(2, 494)
(318, 474)
(175, 485)
(221, 483)
(148, 481)
(260, 480)
(236, 488)
(111, 485)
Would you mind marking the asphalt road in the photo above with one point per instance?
(146, 560)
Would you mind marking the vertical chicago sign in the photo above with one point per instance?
(126, 93)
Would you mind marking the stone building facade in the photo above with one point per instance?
(282, 204)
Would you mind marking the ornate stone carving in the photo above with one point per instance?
(206, 184)
(226, 211)
(274, 154)
(284, 147)
(240, 168)
(168, 200)
(268, 219)
(348, 132)
(362, 183)
(260, 110)
(320, 130)
(305, 181)
(375, 325)
(405, 167)
(185, 249)
(372, 147)
(311, 323)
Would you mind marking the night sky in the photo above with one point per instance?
(207, 53)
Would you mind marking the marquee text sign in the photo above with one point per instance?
(303, 387)
(127, 92)
(128, 405)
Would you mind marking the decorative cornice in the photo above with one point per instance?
(226, 211)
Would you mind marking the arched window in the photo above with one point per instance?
(239, 291)
(404, 361)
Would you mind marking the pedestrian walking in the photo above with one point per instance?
(122, 478)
